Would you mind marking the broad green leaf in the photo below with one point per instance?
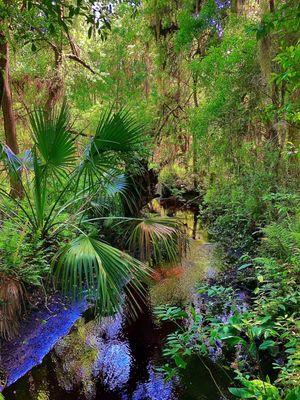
(241, 393)
(267, 344)
(180, 361)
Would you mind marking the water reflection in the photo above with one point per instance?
(113, 358)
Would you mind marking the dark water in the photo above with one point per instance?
(129, 353)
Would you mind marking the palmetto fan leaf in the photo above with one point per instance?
(87, 265)
(53, 140)
(118, 135)
(119, 132)
(10, 159)
(112, 190)
(159, 239)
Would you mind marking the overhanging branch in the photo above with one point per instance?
(80, 61)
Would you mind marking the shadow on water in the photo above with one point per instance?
(116, 359)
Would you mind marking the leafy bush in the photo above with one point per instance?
(255, 389)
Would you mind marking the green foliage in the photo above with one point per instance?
(22, 256)
(24, 263)
(158, 239)
(88, 266)
(41, 20)
(293, 394)
(270, 326)
(255, 389)
(283, 25)
(56, 204)
(170, 313)
(278, 274)
(232, 60)
(118, 136)
(218, 89)
(175, 179)
(53, 158)
(193, 24)
(53, 141)
(233, 212)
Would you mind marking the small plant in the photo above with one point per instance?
(23, 256)
(58, 189)
(255, 389)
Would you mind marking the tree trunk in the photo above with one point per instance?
(2, 64)
(56, 87)
(7, 108)
(237, 7)
(9, 116)
(194, 135)
(267, 65)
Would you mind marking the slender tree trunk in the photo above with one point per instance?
(147, 68)
(9, 116)
(6, 104)
(56, 87)
(194, 137)
(7, 108)
(237, 7)
(2, 64)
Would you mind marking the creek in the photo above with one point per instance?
(116, 358)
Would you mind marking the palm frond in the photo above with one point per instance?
(114, 186)
(11, 160)
(15, 164)
(12, 296)
(117, 135)
(89, 266)
(119, 132)
(53, 140)
(159, 240)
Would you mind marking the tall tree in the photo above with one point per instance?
(8, 112)
(7, 103)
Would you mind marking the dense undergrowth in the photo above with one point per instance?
(252, 318)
